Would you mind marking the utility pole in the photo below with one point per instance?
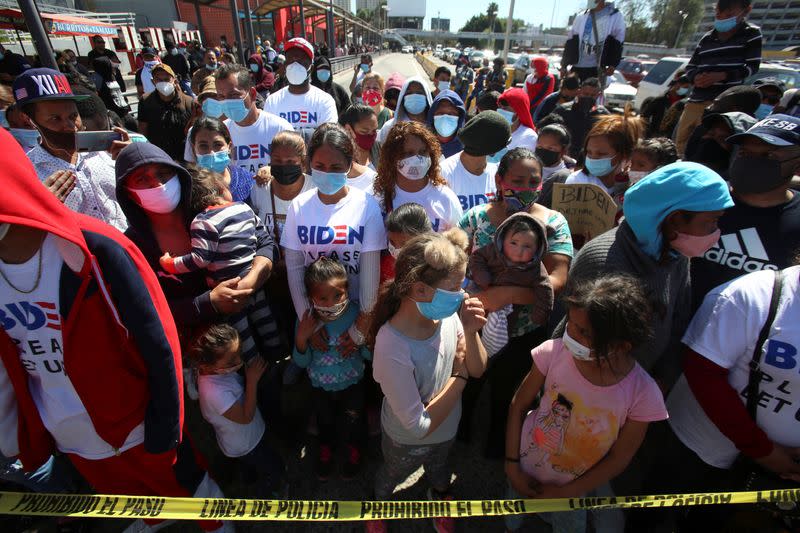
(683, 15)
(40, 40)
(509, 23)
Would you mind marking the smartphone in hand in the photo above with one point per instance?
(95, 141)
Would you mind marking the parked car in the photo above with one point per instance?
(522, 67)
(657, 80)
(632, 69)
(476, 59)
(407, 49)
(787, 75)
(618, 91)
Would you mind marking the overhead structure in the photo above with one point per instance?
(57, 24)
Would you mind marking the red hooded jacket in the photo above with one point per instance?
(543, 82)
(120, 344)
(518, 100)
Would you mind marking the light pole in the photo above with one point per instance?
(683, 15)
(509, 23)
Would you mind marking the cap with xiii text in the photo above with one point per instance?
(37, 84)
(299, 42)
(777, 130)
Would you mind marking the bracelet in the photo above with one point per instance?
(459, 376)
(512, 460)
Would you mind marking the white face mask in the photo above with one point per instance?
(333, 312)
(394, 252)
(296, 74)
(4, 227)
(578, 350)
(636, 175)
(414, 167)
(165, 87)
(162, 199)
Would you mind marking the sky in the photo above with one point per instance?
(531, 11)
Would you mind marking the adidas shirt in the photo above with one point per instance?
(753, 239)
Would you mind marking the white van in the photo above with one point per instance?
(657, 80)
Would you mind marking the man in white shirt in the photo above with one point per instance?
(83, 181)
(251, 129)
(300, 103)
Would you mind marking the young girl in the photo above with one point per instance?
(337, 380)
(361, 124)
(402, 225)
(650, 154)
(225, 236)
(608, 149)
(552, 148)
(423, 358)
(596, 401)
(409, 172)
(229, 404)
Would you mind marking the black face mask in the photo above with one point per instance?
(711, 154)
(57, 140)
(286, 174)
(548, 157)
(758, 174)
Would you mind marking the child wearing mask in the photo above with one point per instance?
(361, 124)
(596, 403)
(423, 356)
(230, 404)
(225, 235)
(336, 379)
(513, 259)
(402, 225)
(650, 154)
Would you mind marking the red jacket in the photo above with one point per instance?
(544, 82)
(120, 344)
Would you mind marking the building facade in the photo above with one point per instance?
(369, 5)
(779, 21)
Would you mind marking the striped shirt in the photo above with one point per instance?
(739, 57)
(224, 242)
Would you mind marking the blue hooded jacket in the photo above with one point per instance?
(679, 186)
(452, 146)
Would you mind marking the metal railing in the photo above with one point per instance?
(342, 63)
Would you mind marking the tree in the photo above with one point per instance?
(491, 14)
(659, 21)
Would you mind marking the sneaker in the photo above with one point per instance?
(443, 524)
(375, 526)
(324, 462)
(353, 463)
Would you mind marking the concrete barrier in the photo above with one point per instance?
(427, 65)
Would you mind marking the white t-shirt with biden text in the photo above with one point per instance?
(471, 189)
(440, 203)
(308, 110)
(725, 331)
(342, 231)
(252, 144)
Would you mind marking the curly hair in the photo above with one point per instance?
(618, 309)
(392, 152)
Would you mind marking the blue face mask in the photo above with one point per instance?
(443, 305)
(726, 25)
(763, 111)
(25, 137)
(323, 75)
(508, 115)
(328, 182)
(682, 91)
(253, 68)
(364, 67)
(445, 125)
(216, 161)
(415, 103)
(599, 167)
(3, 120)
(497, 156)
(234, 109)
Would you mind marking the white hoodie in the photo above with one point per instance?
(400, 114)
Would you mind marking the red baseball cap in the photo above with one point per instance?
(299, 42)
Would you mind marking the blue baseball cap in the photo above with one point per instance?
(777, 130)
(38, 84)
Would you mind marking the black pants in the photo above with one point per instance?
(266, 466)
(585, 72)
(340, 415)
(506, 371)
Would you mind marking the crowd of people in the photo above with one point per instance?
(259, 225)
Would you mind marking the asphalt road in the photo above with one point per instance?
(385, 65)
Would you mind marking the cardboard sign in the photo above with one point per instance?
(589, 210)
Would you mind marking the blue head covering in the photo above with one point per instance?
(679, 186)
(453, 146)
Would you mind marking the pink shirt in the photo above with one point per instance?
(577, 422)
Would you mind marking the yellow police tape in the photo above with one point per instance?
(154, 507)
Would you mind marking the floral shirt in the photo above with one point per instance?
(481, 232)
